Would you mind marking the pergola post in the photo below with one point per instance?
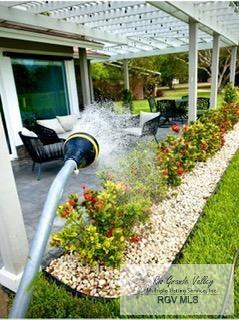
(233, 64)
(193, 70)
(126, 74)
(215, 69)
(84, 72)
(91, 83)
(13, 239)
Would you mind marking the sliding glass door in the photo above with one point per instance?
(41, 89)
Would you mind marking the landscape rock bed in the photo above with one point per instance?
(172, 220)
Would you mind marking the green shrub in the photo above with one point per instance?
(197, 142)
(127, 99)
(53, 301)
(97, 227)
(230, 93)
(140, 171)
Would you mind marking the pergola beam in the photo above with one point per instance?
(93, 9)
(119, 17)
(160, 24)
(157, 52)
(47, 23)
(185, 10)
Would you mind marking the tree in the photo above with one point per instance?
(205, 63)
(173, 66)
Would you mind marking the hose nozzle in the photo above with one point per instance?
(82, 148)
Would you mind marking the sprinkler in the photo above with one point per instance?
(80, 151)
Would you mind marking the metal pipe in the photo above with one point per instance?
(24, 293)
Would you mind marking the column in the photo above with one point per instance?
(215, 67)
(72, 87)
(193, 70)
(91, 83)
(85, 83)
(233, 64)
(126, 74)
(13, 239)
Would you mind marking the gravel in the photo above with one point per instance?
(164, 236)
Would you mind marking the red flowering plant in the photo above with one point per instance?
(204, 137)
(98, 226)
(195, 142)
(175, 157)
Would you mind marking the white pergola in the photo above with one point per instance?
(113, 31)
(120, 30)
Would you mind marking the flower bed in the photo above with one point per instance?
(119, 223)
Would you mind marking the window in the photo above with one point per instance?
(41, 89)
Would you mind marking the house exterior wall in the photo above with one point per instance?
(8, 90)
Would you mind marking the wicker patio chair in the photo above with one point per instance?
(41, 153)
(46, 135)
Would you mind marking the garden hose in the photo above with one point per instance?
(81, 150)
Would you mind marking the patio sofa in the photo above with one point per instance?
(63, 126)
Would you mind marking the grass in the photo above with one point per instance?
(142, 105)
(214, 240)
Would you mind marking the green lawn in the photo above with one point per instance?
(142, 105)
(214, 240)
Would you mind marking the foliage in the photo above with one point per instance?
(96, 227)
(230, 93)
(140, 171)
(99, 71)
(53, 301)
(172, 67)
(197, 142)
(127, 99)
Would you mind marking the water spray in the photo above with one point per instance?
(80, 151)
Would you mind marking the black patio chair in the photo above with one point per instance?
(152, 104)
(182, 109)
(41, 153)
(168, 110)
(146, 128)
(151, 127)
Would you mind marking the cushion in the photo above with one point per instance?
(64, 135)
(67, 122)
(135, 131)
(28, 133)
(53, 124)
(146, 116)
